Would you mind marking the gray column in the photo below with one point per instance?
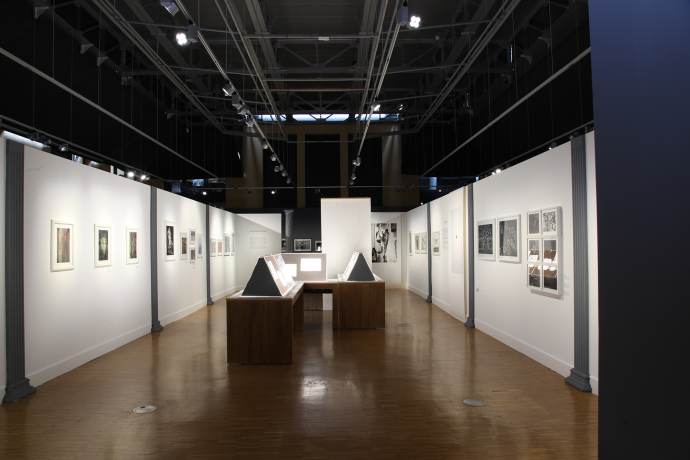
(579, 375)
(470, 255)
(428, 250)
(209, 300)
(17, 383)
(155, 324)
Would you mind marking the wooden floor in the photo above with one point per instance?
(390, 394)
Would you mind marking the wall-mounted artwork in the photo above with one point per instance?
(533, 250)
(550, 250)
(213, 247)
(534, 276)
(384, 243)
(219, 242)
(551, 279)
(226, 243)
(302, 245)
(318, 246)
(410, 244)
(436, 243)
(199, 246)
(169, 239)
(283, 245)
(132, 241)
(551, 221)
(184, 245)
(192, 255)
(509, 239)
(61, 245)
(534, 223)
(232, 242)
(416, 243)
(485, 239)
(102, 246)
(423, 242)
(192, 237)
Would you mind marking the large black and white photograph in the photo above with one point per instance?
(169, 240)
(533, 223)
(509, 239)
(534, 276)
(550, 221)
(533, 249)
(301, 245)
(384, 243)
(485, 239)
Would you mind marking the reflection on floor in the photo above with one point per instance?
(393, 393)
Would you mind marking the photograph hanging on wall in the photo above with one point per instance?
(169, 240)
(436, 243)
(485, 239)
(184, 245)
(409, 243)
(534, 276)
(423, 243)
(213, 247)
(132, 240)
(103, 243)
(551, 278)
(199, 246)
(509, 239)
(550, 222)
(550, 251)
(302, 245)
(534, 223)
(283, 245)
(533, 249)
(192, 255)
(226, 243)
(384, 243)
(192, 237)
(318, 246)
(61, 245)
(219, 243)
(232, 242)
(416, 243)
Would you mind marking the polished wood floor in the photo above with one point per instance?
(390, 394)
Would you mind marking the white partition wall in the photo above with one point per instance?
(72, 317)
(181, 283)
(223, 267)
(593, 261)
(389, 268)
(416, 266)
(447, 268)
(256, 235)
(345, 228)
(3, 364)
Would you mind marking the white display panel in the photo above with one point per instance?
(310, 265)
(294, 264)
(292, 268)
(345, 227)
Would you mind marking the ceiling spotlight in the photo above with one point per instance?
(204, 193)
(283, 173)
(250, 121)
(493, 173)
(143, 177)
(170, 6)
(249, 192)
(192, 33)
(169, 114)
(353, 177)
(415, 22)
(377, 107)
(130, 174)
(181, 38)
(352, 182)
(63, 148)
(273, 192)
(277, 169)
(273, 157)
(289, 181)
(228, 89)
(236, 101)
(439, 190)
(498, 170)
(282, 167)
(553, 145)
(187, 128)
(244, 110)
(33, 137)
(264, 144)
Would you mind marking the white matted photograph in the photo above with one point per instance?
(169, 240)
(302, 245)
(485, 239)
(534, 280)
(551, 222)
(132, 245)
(232, 243)
(416, 243)
(534, 223)
(550, 254)
(509, 239)
(102, 246)
(226, 244)
(550, 277)
(200, 246)
(192, 255)
(184, 245)
(533, 250)
(436, 243)
(213, 247)
(61, 245)
(192, 237)
(410, 244)
(423, 242)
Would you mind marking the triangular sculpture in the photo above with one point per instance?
(358, 269)
(261, 283)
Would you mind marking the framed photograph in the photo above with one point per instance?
(132, 245)
(318, 247)
(199, 246)
(423, 242)
(416, 243)
(192, 237)
(192, 255)
(533, 250)
(226, 243)
(534, 223)
(509, 239)
(169, 240)
(550, 276)
(550, 255)
(61, 245)
(384, 243)
(534, 274)
(102, 247)
(436, 243)
(184, 245)
(232, 243)
(410, 243)
(283, 245)
(551, 221)
(302, 245)
(219, 243)
(485, 239)
(213, 247)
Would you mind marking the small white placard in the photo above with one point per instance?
(310, 265)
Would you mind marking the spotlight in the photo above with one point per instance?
(63, 148)
(282, 167)
(439, 190)
(130, 174)
(277, 169)
(553, 145)
(377, 107)
(353, 177)
(415, 22)
(264, 144)
(228, 89)
(493, 173)
(143, 177)
(352, 182)
(236, 101)
(33, 137)
(498, 170)
(357, 161)
(204, 193)
(244, 110)
(283, 173)
(170, 6)
(273, 192)
(249, 192)
(181, 38)
(192, 33)
(187, 128)
(250, 121)
(289, 181)
(273, 157)
(169, 114)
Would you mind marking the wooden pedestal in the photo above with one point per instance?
(260, 328)
(334, 286)
(361, 305)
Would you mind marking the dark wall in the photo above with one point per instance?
(306, 223)
(640, 68)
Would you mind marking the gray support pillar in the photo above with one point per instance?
(155, 324)
(428, 250)
(17, 383)
(209, 300)
(579, 375)
(470, 255)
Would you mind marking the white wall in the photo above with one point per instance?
(593, 264)
(72, 317)
(181, 284)
(539, 325)
(254, 225)
(345, 228)
(391, 273)
(223, 270)
(3, 351)
(416, 266)
(447, 288)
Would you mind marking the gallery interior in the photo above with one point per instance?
(354, 229)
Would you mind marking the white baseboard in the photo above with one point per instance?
(225, 293)
(419, 292)
(2, 392)
(536, 354)
(182, 313)
(48, 373)
(445, 307)
(594, 382)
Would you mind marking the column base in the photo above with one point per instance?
(469, 323)
(18, 390)
(428, 299)
(210, 302)
(155, 327)
(579, 380)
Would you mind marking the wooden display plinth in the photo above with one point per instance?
(334, 286)
(361, 304)
(260, 328)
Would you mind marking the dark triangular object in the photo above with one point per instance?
(361, 270)
(261, 283)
